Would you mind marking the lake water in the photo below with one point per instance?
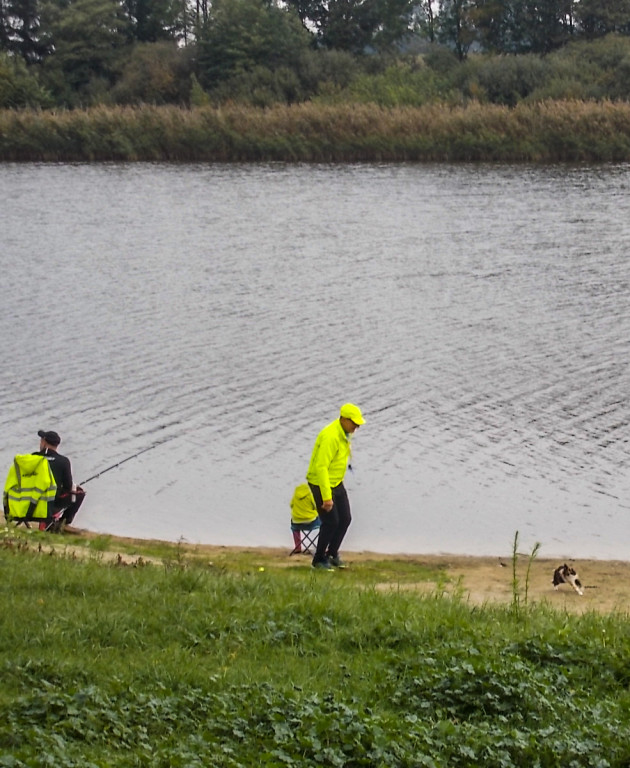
(212, 318)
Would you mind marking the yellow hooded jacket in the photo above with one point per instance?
(303, 508)
(330, 459)
(29, 491)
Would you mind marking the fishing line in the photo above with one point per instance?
(122, 461)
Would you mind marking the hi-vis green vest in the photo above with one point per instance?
(303, 509)
(29, 491)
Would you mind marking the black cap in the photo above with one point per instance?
(52, 438)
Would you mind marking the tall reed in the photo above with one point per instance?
(545, 132)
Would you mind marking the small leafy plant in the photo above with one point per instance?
(516, 589)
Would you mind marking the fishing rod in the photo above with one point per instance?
(122, 461)
(139, 453)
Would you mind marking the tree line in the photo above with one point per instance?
(75, 53)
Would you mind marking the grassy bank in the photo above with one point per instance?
(545, 132)
(168, 659)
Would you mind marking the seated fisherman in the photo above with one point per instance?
(69, 497)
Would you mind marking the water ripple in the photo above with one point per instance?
(208, 320)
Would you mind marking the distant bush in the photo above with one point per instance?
(20, 86)
(441, 60)
(620, 80)
(605, 53)
(315, 73)
(155, 73)
(260, 87)
(323, 71)
(406, 83)
(597, 70)
(580, 71)
(504, 79)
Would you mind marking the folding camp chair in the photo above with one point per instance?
(305, 522)
(305, 536)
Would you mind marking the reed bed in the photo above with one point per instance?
(545, 132)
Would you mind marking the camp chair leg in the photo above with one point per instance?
(309, 541)
(305, 541)
(53, 524)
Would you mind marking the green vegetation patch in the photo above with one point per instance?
(177, 664)
(395, 571)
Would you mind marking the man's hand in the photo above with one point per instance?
(327, 505)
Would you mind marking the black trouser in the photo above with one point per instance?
(67, 507)
(334, 523)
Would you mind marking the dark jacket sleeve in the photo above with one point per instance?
(67, 476)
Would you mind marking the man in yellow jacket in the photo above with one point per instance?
(325, 475)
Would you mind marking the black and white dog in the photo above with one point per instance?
(564, 574)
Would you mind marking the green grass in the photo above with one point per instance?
(191, 662)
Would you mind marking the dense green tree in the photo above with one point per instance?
(4, 26)
(85, 36)
(521, 26)
(153, 20)
(261, 87)
(155, 73)
(425, 19)
(20, 29)
(265, 51)
(357, 26)
(541, 26)
(504, 79)
(319, 72)
(492, 20)
(243, 35)
(200, 12)
(598, 18)
(327, 72)
(456, 25)
(19, 85)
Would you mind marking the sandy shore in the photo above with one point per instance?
(606, 583)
